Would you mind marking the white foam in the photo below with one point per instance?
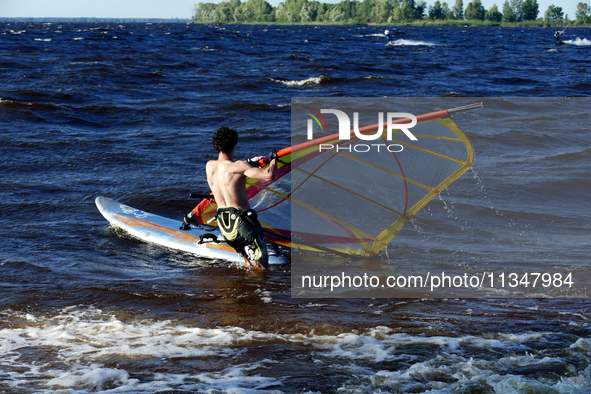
(93, 379)
(265, 295)
(459, 374)
(83, 339)
(578, 41)
(83, 349)
(308, 81)
(411, 43)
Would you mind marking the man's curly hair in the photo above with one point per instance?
(225, 139)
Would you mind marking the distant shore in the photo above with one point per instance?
(464, 23)
(435, 23)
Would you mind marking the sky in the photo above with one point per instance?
(179, 8)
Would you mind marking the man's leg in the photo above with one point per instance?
(255, 254)
(257, 265)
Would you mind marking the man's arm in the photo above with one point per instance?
(264, 174)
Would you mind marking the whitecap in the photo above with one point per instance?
(369, 35)
(404, 42)
(308, 81)
(93, 379)
(578, 42)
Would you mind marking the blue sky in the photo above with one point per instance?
(176, 8)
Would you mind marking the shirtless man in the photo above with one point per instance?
(227, 179)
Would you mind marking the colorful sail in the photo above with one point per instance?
(341, 199)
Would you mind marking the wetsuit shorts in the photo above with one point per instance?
(243, 232)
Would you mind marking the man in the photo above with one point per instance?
(237, 222)
(388, 34)
(557, 36)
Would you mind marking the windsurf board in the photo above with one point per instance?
(163, 231)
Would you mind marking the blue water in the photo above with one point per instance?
(127, 110)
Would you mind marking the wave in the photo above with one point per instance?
(578, 42)
(295, 83)
(404, 42)
(370, 35)
(576, 157)
(323, 80)
(76, 348)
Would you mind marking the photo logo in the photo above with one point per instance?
(395, 121)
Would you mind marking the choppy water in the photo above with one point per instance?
(126, 111)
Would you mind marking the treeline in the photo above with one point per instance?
(381, 12)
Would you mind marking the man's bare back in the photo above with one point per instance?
(227, 179)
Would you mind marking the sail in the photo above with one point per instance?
(341, 199)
